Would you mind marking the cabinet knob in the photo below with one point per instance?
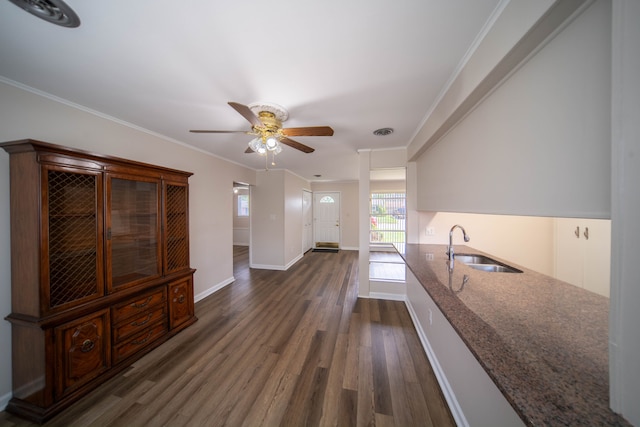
(87, 346)
(180, 299)
(586, 233)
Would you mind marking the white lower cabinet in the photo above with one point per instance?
(583, 253)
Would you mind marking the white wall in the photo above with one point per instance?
(625, 248)
(489, 61)
(24, 114)
(276, 219)
(267, 220)
(5, 281)
(540, 143)
(294, 224)
(388, 186)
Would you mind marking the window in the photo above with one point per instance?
(388, 215)
(243, 205)
(327, 199)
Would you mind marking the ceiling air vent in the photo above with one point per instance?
(54, 11)
(383, 131)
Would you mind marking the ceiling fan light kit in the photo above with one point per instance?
(266, 125)
(263, 147)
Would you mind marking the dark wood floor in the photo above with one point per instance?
(291, 348)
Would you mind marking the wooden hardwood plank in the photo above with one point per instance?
(350, 378)
(294, 347)
(381, 389)
(333, 393)
(366, 409)
(402, 413)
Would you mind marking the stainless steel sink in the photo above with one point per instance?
(484, 263)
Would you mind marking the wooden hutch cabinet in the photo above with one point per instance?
(100, 269)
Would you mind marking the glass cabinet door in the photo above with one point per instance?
(133, 231)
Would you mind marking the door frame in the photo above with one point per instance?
(306, 248)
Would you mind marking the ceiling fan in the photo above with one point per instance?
(266, 125)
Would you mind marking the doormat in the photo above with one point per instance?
(330, 250)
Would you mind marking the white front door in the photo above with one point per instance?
(307, 220)
(326, 213)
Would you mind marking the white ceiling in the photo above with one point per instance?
(170, 66)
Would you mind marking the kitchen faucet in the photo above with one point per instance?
(450, 249)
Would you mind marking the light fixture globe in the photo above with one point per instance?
(258, 146)
(271, 143)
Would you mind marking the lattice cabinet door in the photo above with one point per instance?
(72, 235)
(176, 227)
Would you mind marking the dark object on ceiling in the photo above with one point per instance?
(54, 11)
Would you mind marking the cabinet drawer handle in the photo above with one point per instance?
(144, 340)
(180, 299)
(135, 323)
(144, 304)
(87, 346)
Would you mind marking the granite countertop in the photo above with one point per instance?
(543, 342)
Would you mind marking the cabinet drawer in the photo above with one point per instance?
(138, 342)
(138, 305)
(136, 324)
(83, 351)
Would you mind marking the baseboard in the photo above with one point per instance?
(293, 261)
(447, 391)
(268, 267)
(277, 267)
(387, 296)
(349, 248)
(4, 400)
(213, 289)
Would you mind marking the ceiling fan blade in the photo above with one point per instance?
(294, 144)
(248, 150)
(308, 131)
(246, 113)
(216, 131)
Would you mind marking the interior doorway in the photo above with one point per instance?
(387, 227)
(241, 217)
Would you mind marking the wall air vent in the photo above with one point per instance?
(54, 11)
